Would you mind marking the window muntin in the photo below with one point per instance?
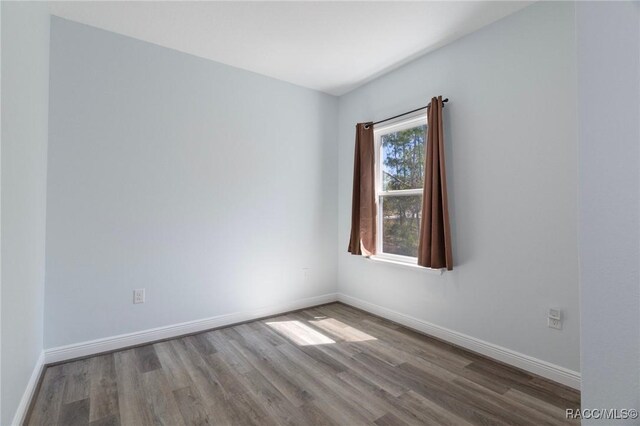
(400, 151)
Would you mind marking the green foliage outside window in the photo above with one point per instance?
(402, 168)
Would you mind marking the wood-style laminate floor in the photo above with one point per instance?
(329, 365)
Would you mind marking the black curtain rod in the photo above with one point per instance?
(404, 113)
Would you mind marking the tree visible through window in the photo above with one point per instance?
(400, 182)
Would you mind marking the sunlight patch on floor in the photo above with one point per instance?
(300, 333)
(342, 330)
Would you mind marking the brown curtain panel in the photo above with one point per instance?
(434, 247)
(363, 207)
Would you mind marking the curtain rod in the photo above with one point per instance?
(404, 113)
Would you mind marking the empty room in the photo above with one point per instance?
(320, 213)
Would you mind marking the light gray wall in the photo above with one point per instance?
(512, 170)
(609, 193)
(210, 186)
(25, 94)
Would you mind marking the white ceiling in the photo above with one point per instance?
(328, 46)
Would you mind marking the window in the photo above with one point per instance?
(400, 151)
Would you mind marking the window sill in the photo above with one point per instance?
(402, 264)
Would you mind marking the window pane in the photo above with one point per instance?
(402, 155)
(401, 224)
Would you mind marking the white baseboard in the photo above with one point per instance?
(25, 401)
(542, 368)
(107, 344)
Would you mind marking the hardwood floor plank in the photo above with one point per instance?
(191, 407)
(390, 420)
(244, 411)
(279, 408)
(428, 412)
(538, 388)
(550, 410)
(103, 391)
(330, 389)
(206, 384)
(410, 342)
(133, 407)
(312, 415)
(146, 358)
(106, 421)
(351, 363)
(46, 410)
(201, 344)
(325, 361)
(557, 389)
(532, 416)
(281, 381)
(228, 352)
(230, 385)
(341, 331)
(327, 365)
(175, 371)
(380, 398)
(77, 387)
(339, 413)
(342, 313)
(484, 380)
(451, 395)
(502, 371)
(267, 332)
(231, 334)
(437, 390)
(160, 400)
(75, 413)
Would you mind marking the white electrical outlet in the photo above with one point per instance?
(138, 295)
(554, 323)
(554, 318)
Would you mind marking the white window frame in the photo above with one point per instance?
(404, 123)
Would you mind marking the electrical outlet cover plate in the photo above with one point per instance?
(138, 295)
(554, 323)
